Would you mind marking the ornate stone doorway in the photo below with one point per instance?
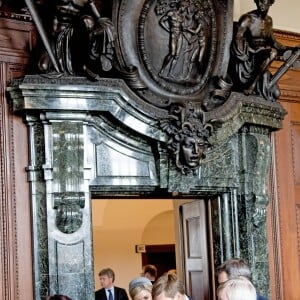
(177, 124)
(78, 133)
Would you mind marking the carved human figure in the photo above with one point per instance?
(173, 22)
(101, 48)
(71, 49)
(197, 42)
(254, 48)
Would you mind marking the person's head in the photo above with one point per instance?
(59, 297)
(233, 268)
(239, 288)
(264, 5)
(168, 287)
(107, 278)
(150, 272)
(140, 289)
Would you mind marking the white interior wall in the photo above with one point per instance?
(119, 225)
(285, 13)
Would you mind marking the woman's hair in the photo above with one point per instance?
(139, 284)
(59, 297)
(169, 284)
(136, 290)
(239, 288)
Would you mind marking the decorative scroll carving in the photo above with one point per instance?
(257, 165)
(69, 211)
(69, 200)
(190, 60)
(188, 136)
(187, 69)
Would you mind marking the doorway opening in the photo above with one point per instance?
(121, 224)
(163, 257)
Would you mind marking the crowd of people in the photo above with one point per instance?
(233, 277)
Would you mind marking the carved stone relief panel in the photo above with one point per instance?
(174, 50)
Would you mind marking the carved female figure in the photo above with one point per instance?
(197, 42)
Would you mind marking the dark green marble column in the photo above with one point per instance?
(61, 207)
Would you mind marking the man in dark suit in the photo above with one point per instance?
(108, 290)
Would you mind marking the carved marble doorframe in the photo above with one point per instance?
(75, 132)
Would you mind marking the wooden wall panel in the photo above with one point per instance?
(287, 204)
(298, 228)
(16, 40)
(283, 214)
(295, 143)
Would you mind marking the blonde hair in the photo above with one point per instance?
(139, 288)
(168, 283)
(239, 288)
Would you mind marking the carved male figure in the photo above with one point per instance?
(254, 48)
(173, 22)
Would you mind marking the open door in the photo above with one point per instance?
(194, 249)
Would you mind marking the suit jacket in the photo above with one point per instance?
(119, 294)
(260, 297)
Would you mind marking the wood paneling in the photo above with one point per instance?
(16, 40)
(284, 237)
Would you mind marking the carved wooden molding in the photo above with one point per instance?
(275, 226)
(298, 226)
(287, 36)
(8, 223)
(290, 83)
(17, 38)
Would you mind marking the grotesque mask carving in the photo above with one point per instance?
(188, 136)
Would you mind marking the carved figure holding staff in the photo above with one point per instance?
(70, 41)
(254, 48)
